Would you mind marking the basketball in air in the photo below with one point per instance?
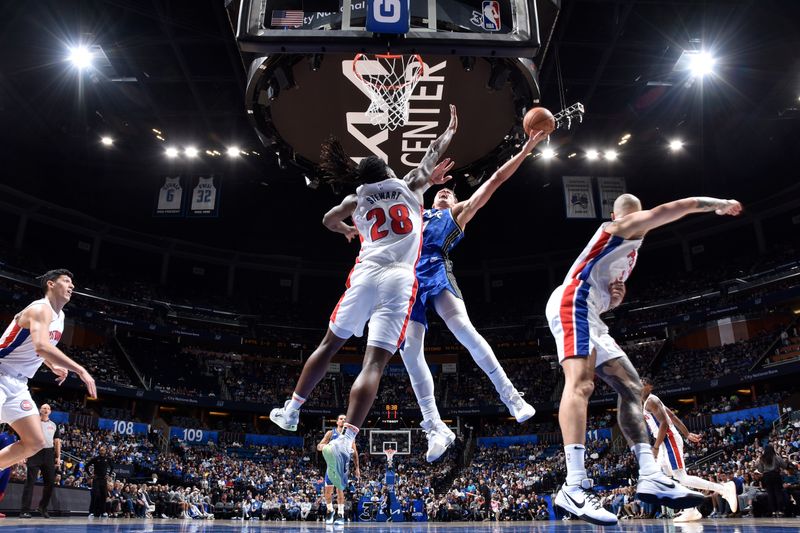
(539, 119)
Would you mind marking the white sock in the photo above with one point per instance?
(644, 456)
(330, 507)
(429, 410)
(341, 508)
(694, 482)
(350, 432)
(296, 402)
(576, 465)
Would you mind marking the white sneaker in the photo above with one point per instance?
(329, 518)
(285, 418)
(439, 438)
(729, 495)
(688, 515)
(658, 489)
(582, 502)
(518, 407)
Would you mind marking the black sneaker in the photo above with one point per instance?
(25, 515)
(43, 512)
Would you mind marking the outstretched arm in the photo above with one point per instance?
(37, 319)
(419, 178)
(334, 219)
(678, 423)
(464, 211)
(636, 225)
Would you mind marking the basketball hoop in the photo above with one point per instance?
(389, 80)
(389, 455)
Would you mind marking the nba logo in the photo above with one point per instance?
(491, 15)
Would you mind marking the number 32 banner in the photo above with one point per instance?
(205, 196)
(195, 196)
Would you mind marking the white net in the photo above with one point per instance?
(389, 456)
(389, 80)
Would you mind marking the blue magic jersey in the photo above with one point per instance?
(440, 235)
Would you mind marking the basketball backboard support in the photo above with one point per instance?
(381, 440)
(482, 28)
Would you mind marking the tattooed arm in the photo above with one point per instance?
(636, 225)
(419, 179)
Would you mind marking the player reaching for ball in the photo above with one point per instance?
(444, 228)
(591, 287)
(381, 288)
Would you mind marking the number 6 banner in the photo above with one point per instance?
(205, 197)
(169, 197)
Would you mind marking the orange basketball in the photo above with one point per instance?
(539, 119)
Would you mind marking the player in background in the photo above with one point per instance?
(591, 287)
(665, 427)
(29, 341)
(382, 286)
(332, 517)
(444, 228)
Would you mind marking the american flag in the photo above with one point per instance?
(293, 18)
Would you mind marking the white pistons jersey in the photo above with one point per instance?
(607, 258)
(388, 217)
(653, 423)
(17, 356)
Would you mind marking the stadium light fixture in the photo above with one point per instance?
(233, 151)
(701, 64)
(592, 154)
(191, 151)
(171, 152)
(611, 155)
(107, 141)
(675, 145)
(548, 153)
(81, 57)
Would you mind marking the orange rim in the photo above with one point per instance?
(420, 71)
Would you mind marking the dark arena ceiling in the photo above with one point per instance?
(172, 69)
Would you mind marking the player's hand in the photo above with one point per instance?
(357, 473)
(351, 233)
(655, 452)
(534, 138)
(439, 174)
(453, 118)
(61, 374)
(87, 378)
(729, 207)
(694, 437)
(617, 291)
(58, 462)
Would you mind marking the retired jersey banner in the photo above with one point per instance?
(610, 189)
(205, 196)
(579, 197)
(169, 197)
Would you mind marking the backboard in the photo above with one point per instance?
(489, 28)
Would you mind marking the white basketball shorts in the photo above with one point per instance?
(575, 323)
(15, 399)
(382, 295)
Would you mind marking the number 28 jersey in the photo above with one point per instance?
(388, 217)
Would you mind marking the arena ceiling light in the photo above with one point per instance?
(171, 152)
(592, 154)
(107, 141)
(232, 151)
(701, 63)
(548, 153)
(675, 145)
(81, 57)
(611, 155)
(191, 151)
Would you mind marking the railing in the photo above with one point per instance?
(708, 458)
(131, 364)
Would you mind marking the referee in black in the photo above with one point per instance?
(45, 460)
(102, 468)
